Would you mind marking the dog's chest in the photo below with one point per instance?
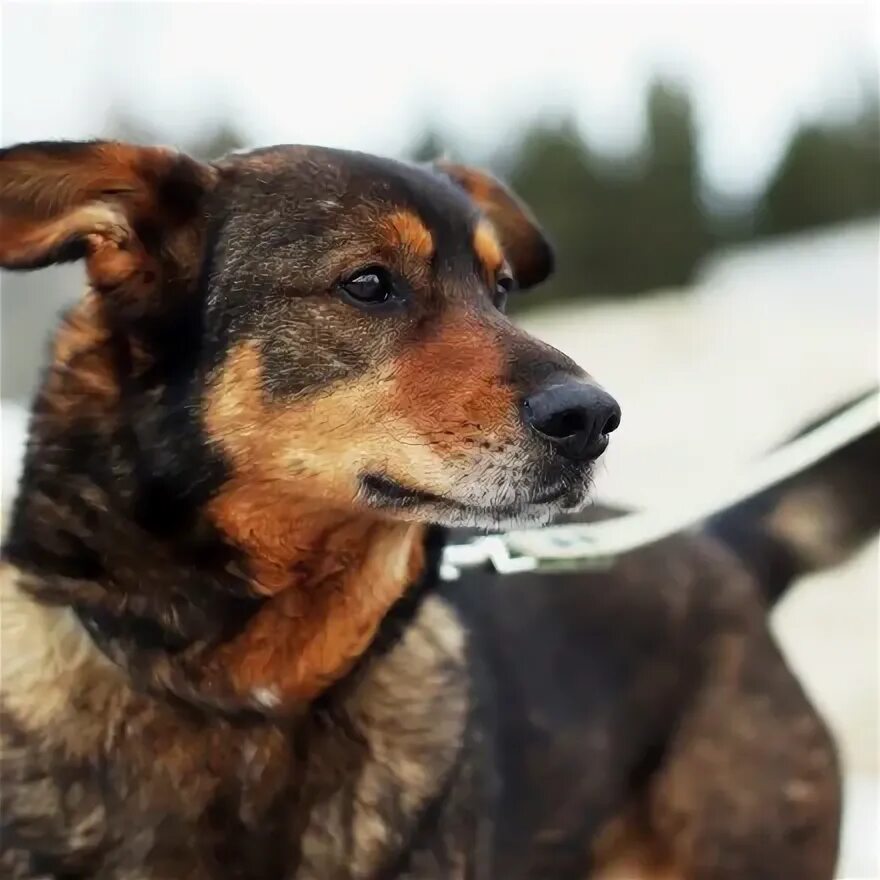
(100, 781)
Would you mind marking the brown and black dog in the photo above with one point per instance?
(225, 652)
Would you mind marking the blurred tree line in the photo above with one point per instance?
(628, 224)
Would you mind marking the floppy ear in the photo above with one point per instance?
(525, 245)
(128, 210)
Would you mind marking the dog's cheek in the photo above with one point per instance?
(268, 444)
(315, 447)
(426, 418)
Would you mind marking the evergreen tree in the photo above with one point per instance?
(828, 174)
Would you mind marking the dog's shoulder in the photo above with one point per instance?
(49, 661)
(55, 690)
(400, 729)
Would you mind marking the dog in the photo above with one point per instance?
(226, 652)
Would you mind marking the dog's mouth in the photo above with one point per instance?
(538, 507)
(399, 495)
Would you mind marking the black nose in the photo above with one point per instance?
(574, 416)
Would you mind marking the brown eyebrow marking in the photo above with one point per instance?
(407, 230)
(487, 246)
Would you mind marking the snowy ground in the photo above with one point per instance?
(708, 380)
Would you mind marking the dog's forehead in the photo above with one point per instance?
(301, 176)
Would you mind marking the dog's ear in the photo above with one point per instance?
(525, 245)
(129, 211)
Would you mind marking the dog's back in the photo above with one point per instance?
(647, 719)
(813, 520)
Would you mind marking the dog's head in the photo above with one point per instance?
(332, 322)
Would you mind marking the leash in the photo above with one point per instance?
(596, 545)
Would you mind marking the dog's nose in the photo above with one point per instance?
(574, 416)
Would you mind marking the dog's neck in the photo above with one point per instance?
(284, 606)
(329, 578)
(238, 598)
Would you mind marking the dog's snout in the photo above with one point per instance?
(574, 416)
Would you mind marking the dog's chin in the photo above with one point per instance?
(415, 505)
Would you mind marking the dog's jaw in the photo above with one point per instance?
(490, 509)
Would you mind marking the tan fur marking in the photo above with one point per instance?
(488, 248)
(452, 388)
(49, 666)
(25, 239)
(408, 419)
(625, 849)
(415, 418)
(316, 627)
(408, 231)
(311, 450)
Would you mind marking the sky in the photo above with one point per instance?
(371, 76)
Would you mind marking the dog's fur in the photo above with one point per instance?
(225, 653)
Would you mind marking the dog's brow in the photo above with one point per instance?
(407, 230)
(487, 247)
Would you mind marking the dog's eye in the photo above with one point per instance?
(369, 288)
(504, 285)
